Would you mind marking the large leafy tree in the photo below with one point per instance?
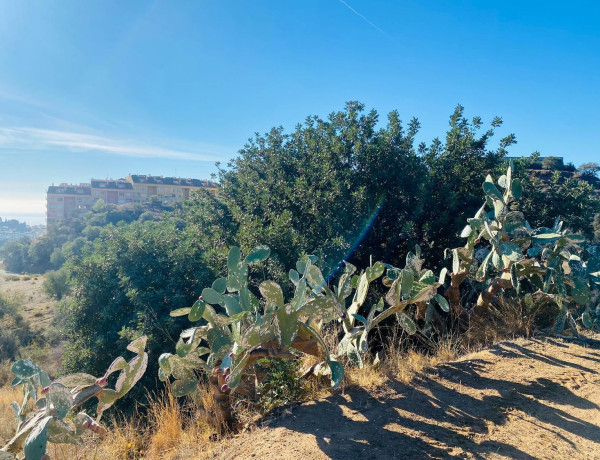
(125, 287)
(342, 187)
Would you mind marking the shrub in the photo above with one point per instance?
(553, 163)
(56, 284)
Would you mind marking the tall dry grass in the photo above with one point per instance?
(8, 422)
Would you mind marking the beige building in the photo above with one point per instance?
(112, 191)
(64, 200)
(167, 189)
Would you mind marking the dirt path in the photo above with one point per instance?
(523, 399)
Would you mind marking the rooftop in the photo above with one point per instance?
(160, 180)
(119, 184)
(70, 189)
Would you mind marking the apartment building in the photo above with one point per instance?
(112, 191)
(64, 200)
(167, 189)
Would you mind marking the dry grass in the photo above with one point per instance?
(400, 365)
(507, 319)
(169, 431)
(8, 422)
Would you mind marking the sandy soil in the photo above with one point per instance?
(525, 399)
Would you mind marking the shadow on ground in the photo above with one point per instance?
(445, 412)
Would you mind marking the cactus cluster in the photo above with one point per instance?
(411, 285)
(55, 401)
(542, 262)
(239, 328)
(503, 253)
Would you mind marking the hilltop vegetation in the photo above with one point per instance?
(340, 188)
(326, 242)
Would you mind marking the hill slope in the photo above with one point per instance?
(520, 399)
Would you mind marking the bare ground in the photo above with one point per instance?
(524, 399)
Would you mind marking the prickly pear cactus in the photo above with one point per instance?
(238, 327)
(504, 253)
(407, 286)
(55, 400)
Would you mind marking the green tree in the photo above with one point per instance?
(39, 254)
(589, 169)
(573, 199)
(553, 163)
(339, 186)
(15, 256)
(55, 284)
(456, 169)
(126, 286)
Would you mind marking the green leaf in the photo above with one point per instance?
(138, 345)
(544, 238)
(406, 282)
(61, 433)
(581, 293)
(258, 254)
(516, 188)
(233, 258)
(107, 396)
(197, 311)
(301, 265)
(220, 285)
(287, 321)
(344, 286)
(362, 289)
(212, 297)
(294, 276)
(232, 304)
(361, 318)
(406, 323)
(315, 277)
(37, 440)
(586, 319)
(164, 364)
(427, 278)
(180, 312)
(442, 302)
(272, 293)
(491, 190)
(181, 388)
(75, 380)
(60, 398)
(24, 369)
(324, 308)
(217, 340)
(511, 250)
(375, 271)
(337, 373)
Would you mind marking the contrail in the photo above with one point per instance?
(369, 22)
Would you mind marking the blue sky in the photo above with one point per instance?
(107, 88)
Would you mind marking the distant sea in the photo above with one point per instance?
(29, 219)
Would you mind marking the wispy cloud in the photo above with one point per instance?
(27, 138)
(368, 21)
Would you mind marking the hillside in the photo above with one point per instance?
(520, 399)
